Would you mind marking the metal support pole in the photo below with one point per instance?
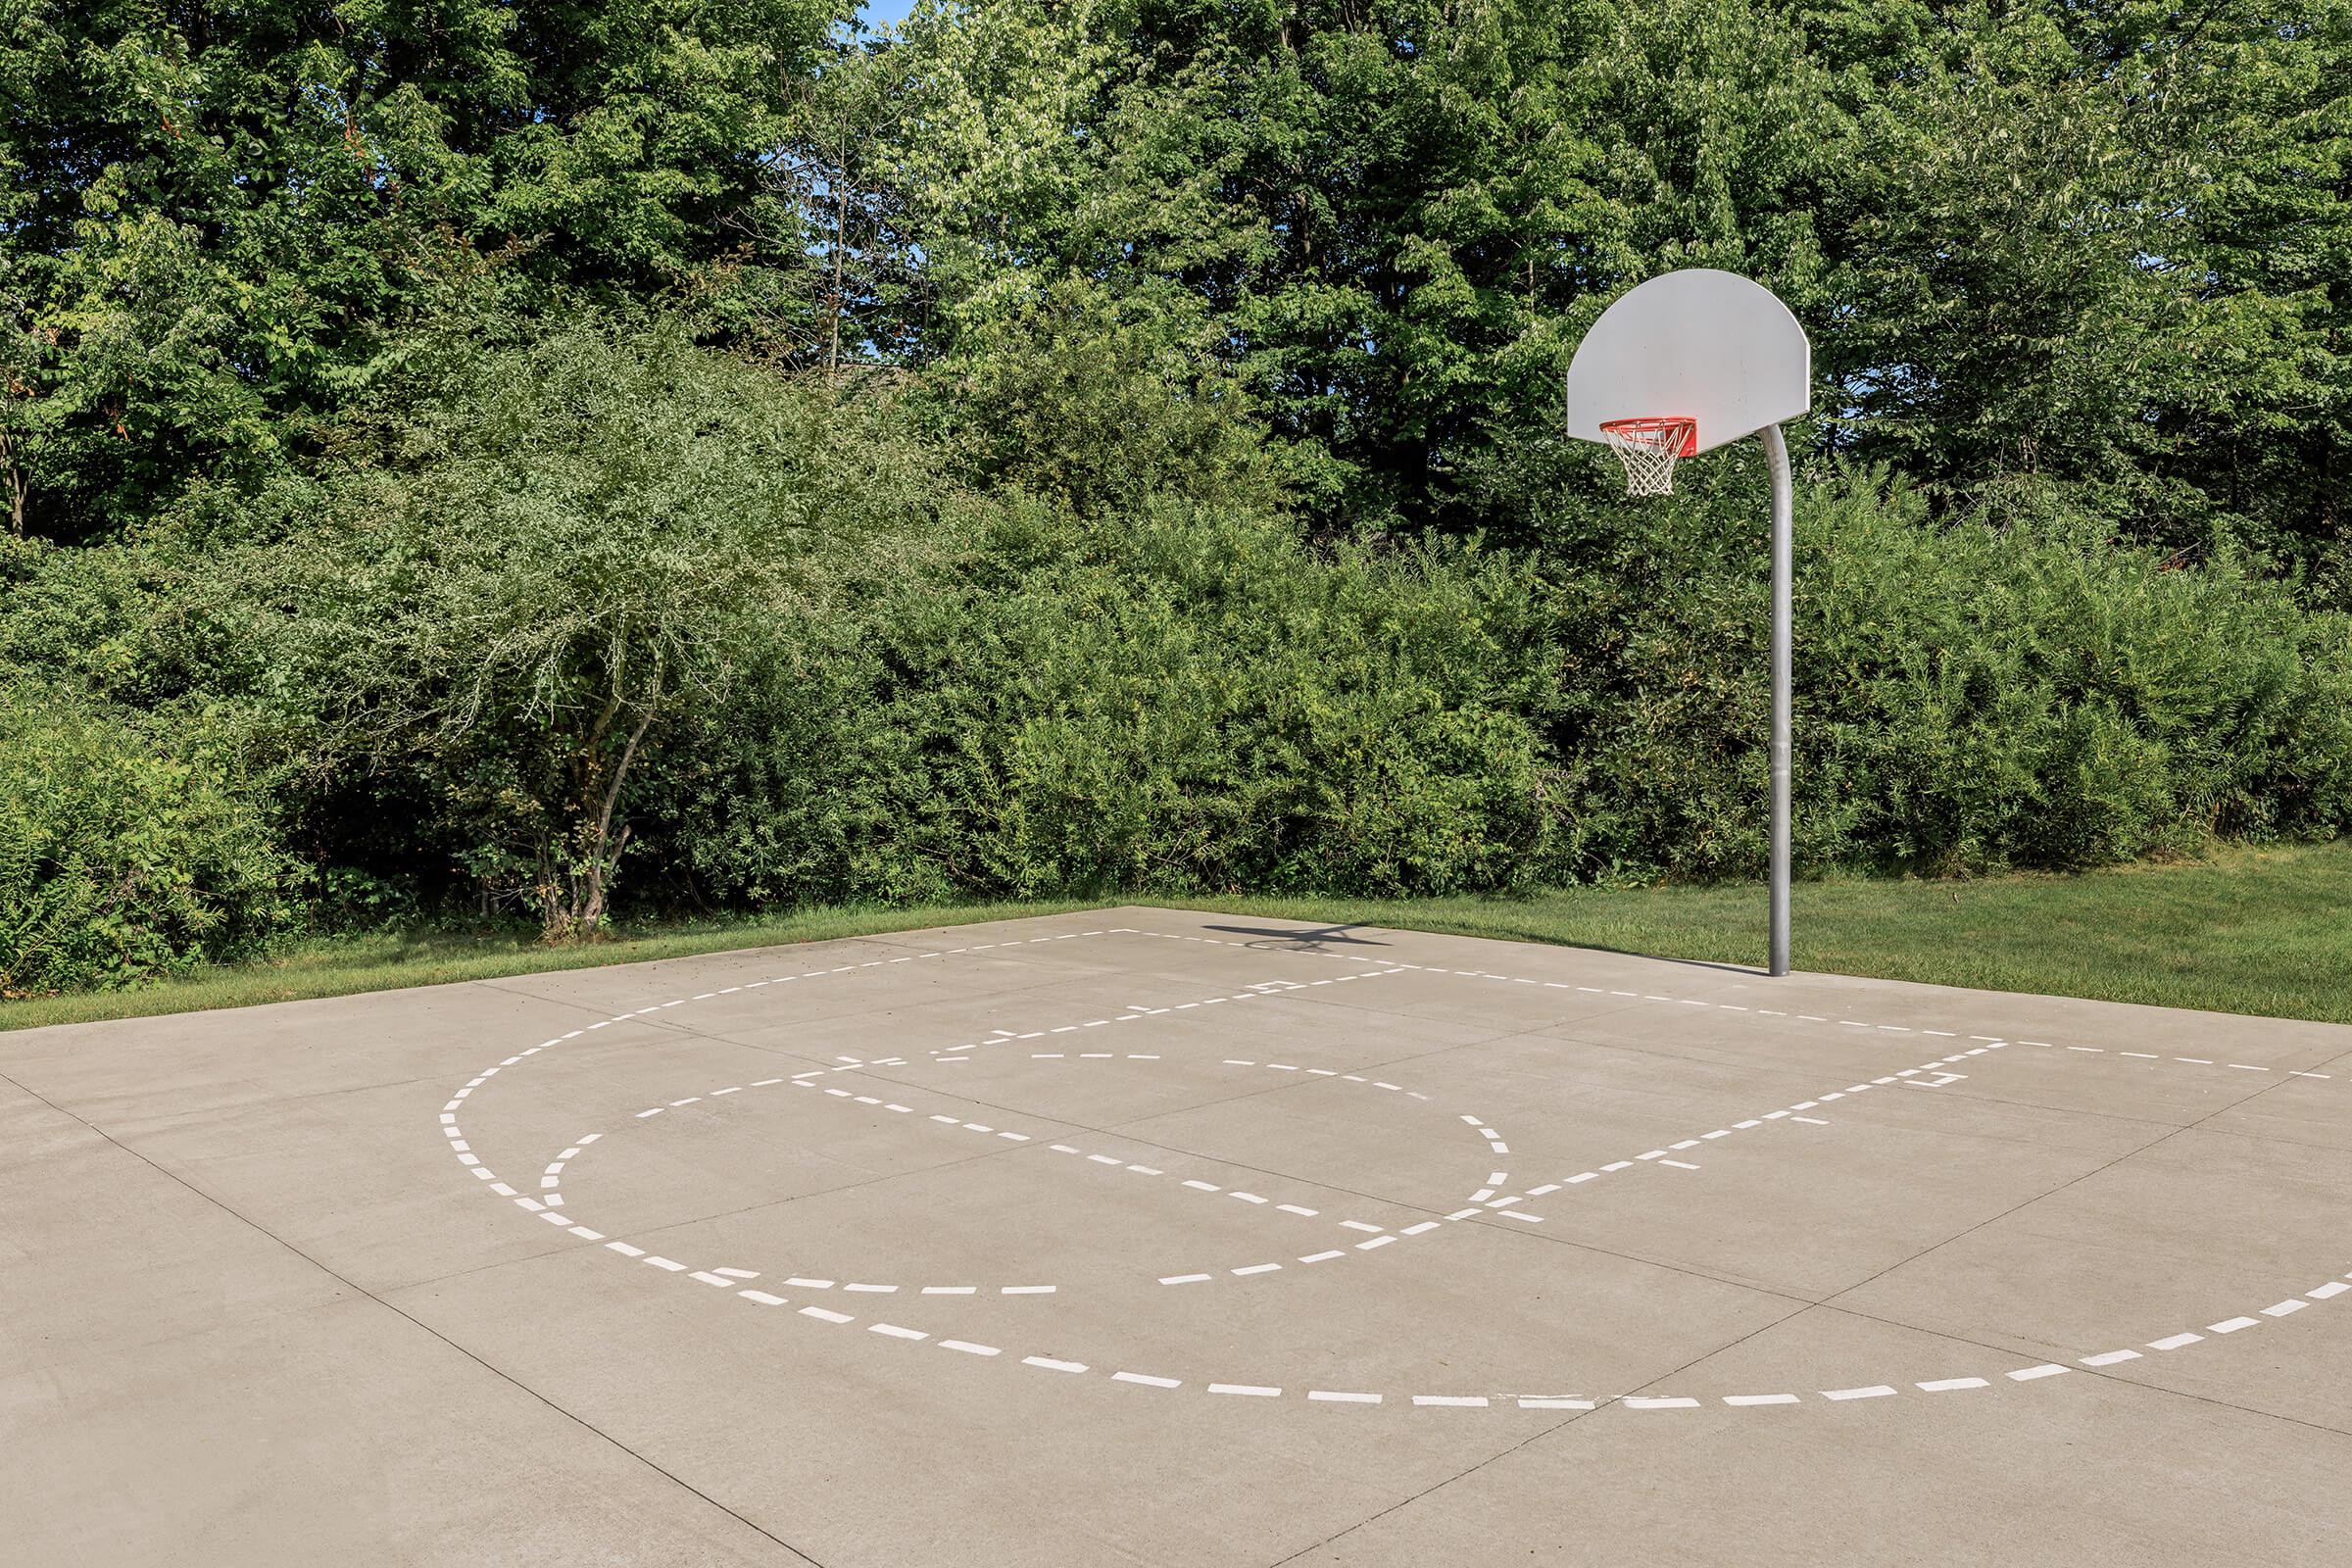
(1783, 550)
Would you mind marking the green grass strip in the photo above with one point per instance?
(2243, 930)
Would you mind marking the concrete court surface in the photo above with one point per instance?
(1152, 1237)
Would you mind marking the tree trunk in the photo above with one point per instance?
(17, 486)
(841, 223)
(603, 846)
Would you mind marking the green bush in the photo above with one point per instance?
(1188, 699)
(1969, 697)
(1987, 697)
(963, 694)
(125, 852)
(529, 574)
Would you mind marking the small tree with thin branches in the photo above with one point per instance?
(562, 565)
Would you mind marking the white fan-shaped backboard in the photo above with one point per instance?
(1699, 344)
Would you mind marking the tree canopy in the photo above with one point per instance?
(222, 222)
(2107, 245)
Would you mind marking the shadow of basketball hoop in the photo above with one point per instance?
(1313, 936)
(1271, 939)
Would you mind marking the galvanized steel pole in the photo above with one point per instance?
(1784, 529)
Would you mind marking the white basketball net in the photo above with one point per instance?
(1650, 449)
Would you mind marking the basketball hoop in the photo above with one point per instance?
(1731, 356)
(1650, 447)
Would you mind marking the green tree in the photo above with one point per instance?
(566, 560)
(218, 222)
(1391, 223)
(2103, 244)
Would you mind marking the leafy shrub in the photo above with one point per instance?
(1969, 697)
(1192, 700)
(1188, 700)
(558, 562)
(125, 852)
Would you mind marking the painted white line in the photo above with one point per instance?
(1147, 1380)
(1334, 1397)
(1948, 1384)
(1255, 1390)
(731, 1277)
(1477, 1401)
(1875, 1392)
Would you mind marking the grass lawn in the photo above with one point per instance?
(2259, 931)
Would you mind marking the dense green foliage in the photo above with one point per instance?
(571, 555)
(123, 853)
(2108, 244)
(551, 459)
(1968, 696)
(222, 222)
(1187, 698)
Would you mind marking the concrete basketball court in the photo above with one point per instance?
(1153, 1236)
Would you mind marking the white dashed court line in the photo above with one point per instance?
(549, 1209)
